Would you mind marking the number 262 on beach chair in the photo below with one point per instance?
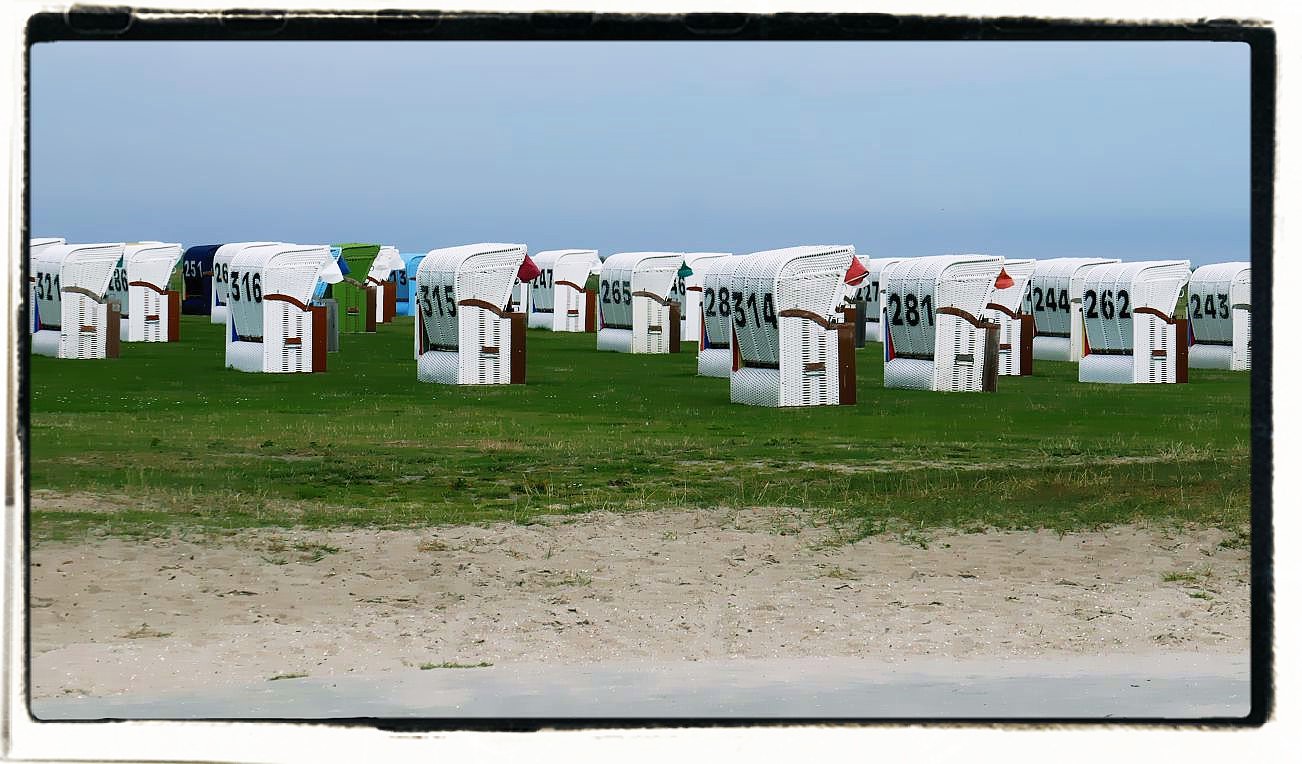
(1132, 334)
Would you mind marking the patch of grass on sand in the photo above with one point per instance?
(452, 665)
(200, 448)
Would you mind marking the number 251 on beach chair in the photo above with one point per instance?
(787, 348)
(1054, 299)
(196, 279)
(1220, 317)
(74, 317)
(636, 314)
(465, 333)
(933, 320)
(1132, 334)
(271, 324)
(153, 312)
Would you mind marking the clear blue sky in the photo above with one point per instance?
(1137, 150)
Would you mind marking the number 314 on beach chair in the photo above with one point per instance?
(788, 350)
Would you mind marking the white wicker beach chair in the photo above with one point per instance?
(634, 303)
(271, 324)
(385, 263)
(465, 332)
(871, 294)
(573, 307)
(153, 311)
(541, 313)
(936, 335)
(1054, 301)
(73, 316)
(1220, 317)
(34, 247)
(221, 272)
(714, 354)
(1016, 327)
(1131, 332)
(790, 351)
(688, 292)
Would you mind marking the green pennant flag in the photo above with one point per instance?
(684, 271)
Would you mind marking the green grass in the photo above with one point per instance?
(179, 444)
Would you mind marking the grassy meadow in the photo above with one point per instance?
(165, 440)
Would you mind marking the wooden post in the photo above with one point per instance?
(1028, 344)
(590, 313)
(990, 364)
(1181, 350)
(390, 300)
(370, 308)
(113, 330)
(173, 315)
(320, 338)
(846, 372)
(675, 327)
(517, 357)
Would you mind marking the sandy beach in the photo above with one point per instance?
(112, 616)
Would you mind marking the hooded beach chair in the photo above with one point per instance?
(936, 336)
(35, 246)
(687, 291)
(1132, 334)
(387, 262)
(153, 311)
(569, 305)
(714, 353)
(272, 325)
(1220, 317)
(404, 280)
(788, 347)
(196, 278)
(356, 297)
(73, 317)
(221, 274)
(1005, 310)
(870, 295)
(1054, 302)
(634, 306)
(465, 331)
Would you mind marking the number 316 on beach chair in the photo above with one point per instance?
(787, 348)
(465, 333)
(271, 325)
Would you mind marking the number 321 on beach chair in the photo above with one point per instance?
(787, 348)
(465, 333)
(74, 317)
(936, 336)
(1132, 334)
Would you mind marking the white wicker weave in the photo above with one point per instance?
(269, 325)
(71, 283)
(221, 271)
(633, 302)
(568, 278)
(688, 292)
(462, 329)
(782, 304)
(871, 291)
(34, 247)
(1054, 300)
(1129, 317)
(149, 268)
(1005, 310)
(714, 354)
(1220, 317)
(932, 313)
(385, 263)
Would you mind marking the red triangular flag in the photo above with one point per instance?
(856, 273)
(529, 270)
(1004, 280)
